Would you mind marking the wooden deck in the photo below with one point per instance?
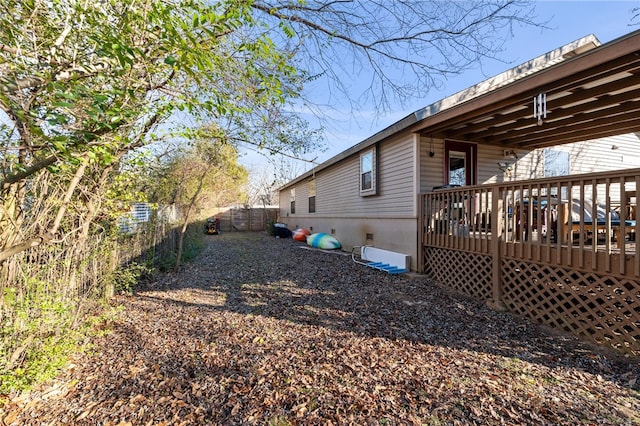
(531, 247)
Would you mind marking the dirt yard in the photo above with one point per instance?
(263, 331)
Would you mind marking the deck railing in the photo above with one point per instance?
(553, 234)
(563, 220)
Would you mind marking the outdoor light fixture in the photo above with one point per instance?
(510, 153)
(431, 151)
(540, 107)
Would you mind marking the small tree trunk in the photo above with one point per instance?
(187, 217)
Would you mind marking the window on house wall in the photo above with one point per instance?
(368, 173)
(457, 168)
(461, 163)
(292, 197)
(556, 163)
(312, 196)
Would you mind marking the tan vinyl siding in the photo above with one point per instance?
(338, 191)
(336, 185)
(431, 168)
(284, 201)
(491, 157)
(584, 157)
(598, 155)
(396, 175)
(488, 159)
(302, 198)
(302, 201)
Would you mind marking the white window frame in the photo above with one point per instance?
(312, 194)
(368, 164)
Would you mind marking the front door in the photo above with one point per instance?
(460, 163)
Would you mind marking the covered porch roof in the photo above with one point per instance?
(592, 92)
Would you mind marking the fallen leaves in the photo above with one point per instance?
(257, 331)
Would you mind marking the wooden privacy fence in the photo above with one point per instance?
(245, 219)
(561, 251)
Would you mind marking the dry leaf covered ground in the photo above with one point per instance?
(261, 331)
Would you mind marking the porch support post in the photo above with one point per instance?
(497, 207)
(421, 228)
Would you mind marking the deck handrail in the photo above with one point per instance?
(544, 219)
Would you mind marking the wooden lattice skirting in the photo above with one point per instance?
(468, 273)
(602, 309)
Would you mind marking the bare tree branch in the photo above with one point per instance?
(407, 47)
(34, 168)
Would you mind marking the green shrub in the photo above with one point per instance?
(126, 278)
(39, 335)
(166, 261)
(164, 255)
(193, 244)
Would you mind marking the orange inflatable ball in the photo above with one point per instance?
(301, 234)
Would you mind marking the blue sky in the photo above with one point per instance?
(568, 21)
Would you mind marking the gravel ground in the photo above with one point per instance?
(266, 331)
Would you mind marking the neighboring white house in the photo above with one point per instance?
(139, 214)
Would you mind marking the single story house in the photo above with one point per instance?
(481, 189)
